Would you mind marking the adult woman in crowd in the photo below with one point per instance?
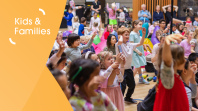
(157, 15)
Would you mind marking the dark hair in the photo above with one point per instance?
(109, 40)
(136, 22)
(82, 20)
(88, 67)
(70, 9)
(56, 73)
(192, 57)
(162, 20)
(72, 38)
(63, 57)
(89, 56)
(196, 16)
(52, 53)
(178, 25)
(186, 64)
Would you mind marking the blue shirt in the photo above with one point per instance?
(81, 30)
(116, 34)
(142, 13)
(68, 17)
(157, 17)
(89, 49)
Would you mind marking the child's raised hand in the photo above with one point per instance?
(173, 38)
(123, 60)
(115, 65)
(120, 41)
(119, 58)
(144, 31)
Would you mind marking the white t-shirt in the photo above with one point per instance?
(154, 52)
(75, 26)
(94, 20)
(177, 32)
(127, 50)
(122, 16)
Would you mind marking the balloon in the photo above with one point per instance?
(66, 33)
(146, 26)
(96, 40)
(154, 39)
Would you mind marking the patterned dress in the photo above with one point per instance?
(101, 102)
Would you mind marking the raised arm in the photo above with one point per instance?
(167, 71)
(176, 8)
(143, 37)
(83, 47)
(108, 9)
(164, 8)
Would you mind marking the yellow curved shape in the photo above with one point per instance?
(147, 41)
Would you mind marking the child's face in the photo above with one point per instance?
(174, 28)
(196, 19)
(76, 43)
(121, 10)
(162, 40)
(190, 36)
(181, 27)
(95, 58)
(95, 15)
(113, 40)
(93, 83)
(59, 37)
(115, 28)
(108, 61)
(139, 26)
(61, 65)
(188, 72)
(196, 62)
(62, 81)
(185, 30)
(125, 36)
(155, 24)
(82, 41)
(70, 11)
(188, 19)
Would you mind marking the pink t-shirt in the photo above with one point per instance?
(111, 12)
(187, 47)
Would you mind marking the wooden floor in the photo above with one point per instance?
(140, 92)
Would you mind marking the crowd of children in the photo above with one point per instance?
(97, 82)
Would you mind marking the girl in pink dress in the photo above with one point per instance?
(113, 75)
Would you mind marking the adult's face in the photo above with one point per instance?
(169, 9)
(143, 7)
(158, 8)
(163, 24)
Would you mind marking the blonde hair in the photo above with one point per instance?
(85, 38)
(102, 56)
(95, 24)
(123, 30)
(195, 34)
(59, 32)
(76, 19)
